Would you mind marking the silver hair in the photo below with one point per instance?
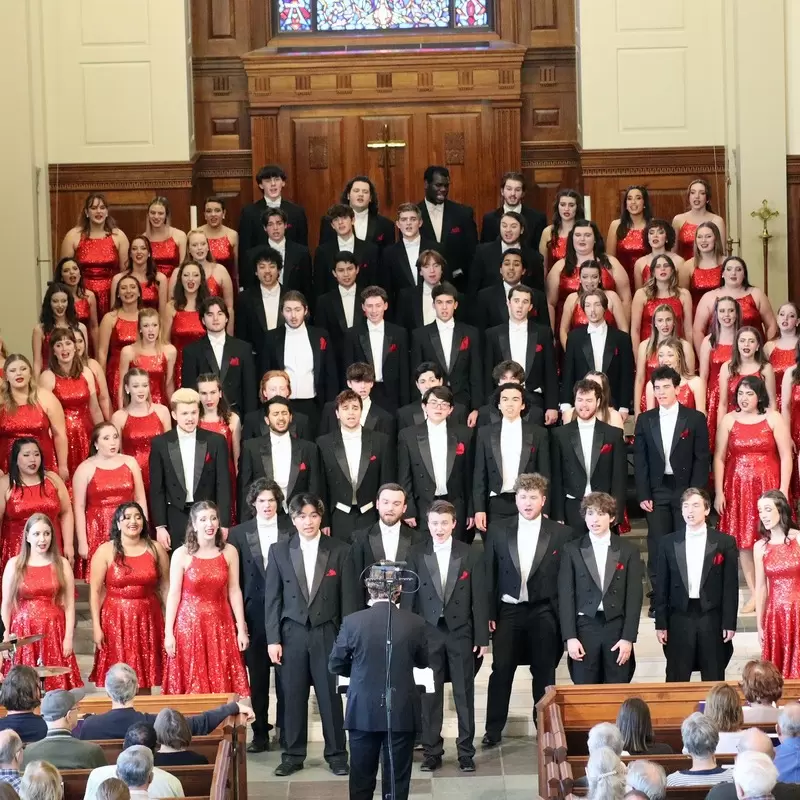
(754, 774)
(121, 683)
(789, 720)
(700, 735)
(606, 775)
(10, 746)
(756, 741)
(606, 734)
(648, 778)
(135, 766)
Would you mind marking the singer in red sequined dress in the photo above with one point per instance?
(204, 646)
(182, 319)
(168, 244)
(68, 273)
(626, 234)
(151, 353)
(698, 199)
(57, 312)
(130, 578)
(782, 351)
(39, 598)
(142, 267)
(223, 241)
(118, 329)
(567, 207)
(685, 247)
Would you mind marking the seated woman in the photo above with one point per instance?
(762, 687)
(605, 773)
(700, 739)
(725, 711)
(174, 737)
(636, 727)
(21, 696)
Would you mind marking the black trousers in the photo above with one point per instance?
(526, 631)
(502, 507)
(305, 664)
(599, 665)
(258, 668)
(449, 652)
(665, 518)
(366, 747)
(343, 525)
(177, 521)
(694, 641)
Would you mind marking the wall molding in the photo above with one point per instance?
(552, 155)
(118, 177)
(793, 169)
(653, 161)
(224, 164)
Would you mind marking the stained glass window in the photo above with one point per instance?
(305, 16)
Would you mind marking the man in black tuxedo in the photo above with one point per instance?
(382, 345)
(508, 372)
(377, 722)
(455, 347)
(485, 269)
(523, 556)
(370, 226)
(253, 541)
(452, 600)
(365, 254)
(414, 305)
(588, 455)
(271, 180)
(504, 450)
(278, 456)
(275, 383)
(435, 462)
(187, 465)
(671, 455)
(426, 375)
(598, 346)
(450, 224)
(304, 611)
(600, 597)
(522, 340)
(355, 461)
(230, 359)
(697, 594)
(387, 540)
(491, 306)
(512, 191)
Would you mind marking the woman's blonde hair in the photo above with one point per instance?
(653, 342)
(676, 345)
(209, 259)
(150, 313)
(6, 395)
(724, 708)
(41, 781)
(24, 555)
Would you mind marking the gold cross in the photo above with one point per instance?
(386, 144)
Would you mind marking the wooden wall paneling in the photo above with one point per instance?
(505, 131)
(223, 27)
(552, 22)
(265, 143)
(549, 95)
(400, 161)
(221, 118)
(227, 175)
(548, 168)
(793, 220)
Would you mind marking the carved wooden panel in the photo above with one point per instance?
(455, 140)
(549, 96)
(394, 180)
(552, 22)
(793, 221)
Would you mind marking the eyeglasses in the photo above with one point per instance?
(438, 404)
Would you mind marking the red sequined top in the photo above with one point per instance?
(166, 255)
(123, 333)
(751, 316)
(686, 240)
(156, 368)
(630, 249)
(26, 420)
(222, 250)
(83, 310)
(99, 262)
(704, 280)
(781, 360)
(646, 325)
(186, 328)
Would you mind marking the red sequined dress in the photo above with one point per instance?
(781, 360)
(38, 612)
(686, 236)
(73, 394)
(99, 263)
(223, 428)
(649, 366)
(106, 490)
(207, 658)
(150, 295)
(83, 311)
(21, 503)
(646, 325)
(719, 355)
(123, 333)
(557, 249)
(568, 284)
(781, 623)
(752, 467)
(751, 316)
(186, 328)
(222, 250)
(26, 421)
(686, 396)
(702, 281)
(630, 249)
(166, 255)
(137, 435)
(214, 289)
(156, 368)
(733, 387)
(794, 428)
(132, 621)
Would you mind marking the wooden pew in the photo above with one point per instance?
(671, 763)
(204, 745)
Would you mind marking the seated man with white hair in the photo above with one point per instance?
(700, 739)
(647, 779)
(606, 775)
(787, 756)
(604, 734)
(135, 770)
(755, 776)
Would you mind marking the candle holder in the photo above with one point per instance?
(765, 214)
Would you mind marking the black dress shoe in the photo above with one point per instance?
(651, 613)
(431, 763)
(258, 746)
(489, 741)
(466, 764)
(340, 768)
(286, 768)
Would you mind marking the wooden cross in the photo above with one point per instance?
(386, 144)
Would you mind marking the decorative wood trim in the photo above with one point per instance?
(110, 177)
(653, 161)
(224, 164)
(793, 224)
(210, 65)
(553, 155)
(793, 169)
(561, 55)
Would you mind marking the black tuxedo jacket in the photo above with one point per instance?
(255, 461)
(360, 653)
(212, 480)
(608, 471)
(326, 381)
(396, 379)
(255, 425)
(413, 414)
(415, 468)
(250, 324)
(329, 315)
(719, 581)
(581, 588)
(378, 419)
(380, 231)
(365, 254)
(296, 274)
(503, 575)
(461, 601)
(464, 372)
(252, 574)
(287, 593)
(488, 474)
(688, 455)
(618, 364)
(535, 223)
(485, 269)
(491, 308)
(541, 373)
(408, 308)
(397, 271)
(459, 236)
(237, 373)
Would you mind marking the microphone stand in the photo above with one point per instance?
(388, 694)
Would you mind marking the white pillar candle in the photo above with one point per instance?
(193, 216)
(587, 206)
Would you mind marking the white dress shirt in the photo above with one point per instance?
(188, 445)
(597, 336)
(446, 330)
(267, 535)
(412, 254)
(273, 203)
(271, 300)
(510, 452)
(437, 439)
(586, 431)
(436, 213)
(667, 420)
(352, 452)
(506, 246)
(348, 303)
(281, 248)
(527, 540)
(366, 405)
(428, 311)
(346, 244)
(376, 333)
(298, 361)
(507, 208)
(390, 536)
(361, 222)
(695, 555)
(600, 545)
(281, 445)
(442, 553)
(217, 342)
(309, 548)
(518, 341)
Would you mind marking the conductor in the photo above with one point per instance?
(360, 653)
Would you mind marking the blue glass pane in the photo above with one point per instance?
(371, 15)
(471, 14)
(294, 15)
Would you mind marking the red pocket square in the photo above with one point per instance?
(208, 458)
(323, 344)
(685, 433)
(464, 575)
(460, 449)
(606, 448)
(392, 348)
(718, 559)
(539, 348)
(464, 343)
(302, 466)
(533, 448)
(555, 552)
(373, 458)
(288, 224)
(234, 362)
(620, 566)
(455, 230)
(331, 573)
(616, 351)
(380, 237)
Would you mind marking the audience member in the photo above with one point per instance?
(636, 727)
(174, 737)
(604, 734)
(787, 756)
(41, 781)
(60, 748)
(135, 769)
(646, 779)
(8, 792)
(111, 789)
(20, 695)
(11, 750)
(700, 739)
(725, 711)
(606, 775)
(755, 775)
(762, 687)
